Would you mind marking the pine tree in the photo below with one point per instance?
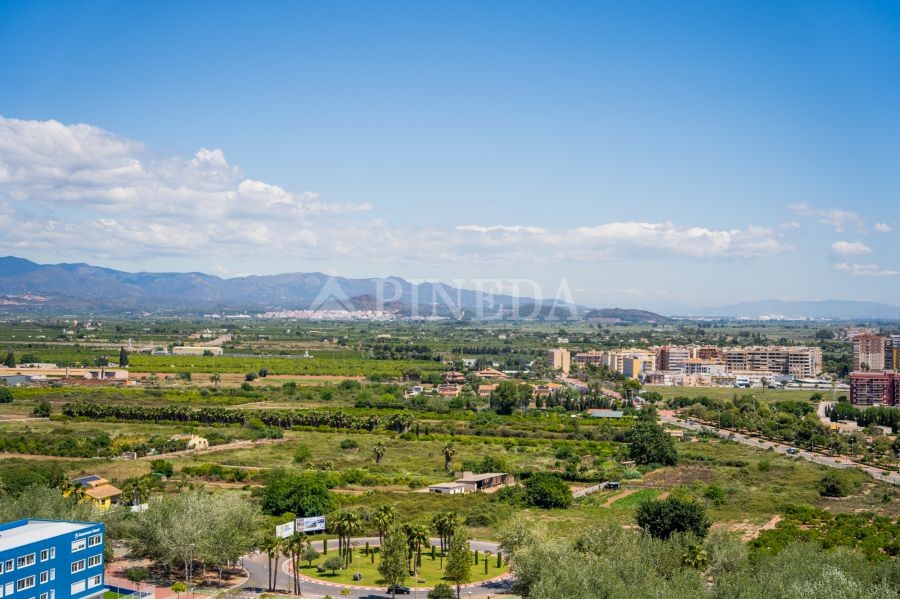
(458, 561)
(123, 358)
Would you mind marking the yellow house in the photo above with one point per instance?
(98, 490)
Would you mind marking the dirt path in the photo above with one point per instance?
(224, 447)
(620, 495)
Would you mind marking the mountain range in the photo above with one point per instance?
(26, 286)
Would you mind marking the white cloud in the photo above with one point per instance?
(834, 217)
(883, 228)
(80, 192)
(850, 248)
(865, 270)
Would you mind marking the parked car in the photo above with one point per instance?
(399, 589)
(792, 450)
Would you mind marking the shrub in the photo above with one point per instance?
(547, 491)
(302, 453)
(349, 444)
(6, 395)
(837, 484)
(674, 514)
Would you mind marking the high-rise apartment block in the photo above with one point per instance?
(868, 352)
(559, 359)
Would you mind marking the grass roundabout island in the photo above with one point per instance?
(431, 571)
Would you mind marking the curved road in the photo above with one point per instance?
(256, 565)
(811, 456)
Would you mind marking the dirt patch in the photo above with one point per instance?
(663, 496)
(678, 475)
(748, 530)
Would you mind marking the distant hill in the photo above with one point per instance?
(29, 287)
(830, 309)
(622, 315)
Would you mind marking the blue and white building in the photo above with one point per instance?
(51, 559)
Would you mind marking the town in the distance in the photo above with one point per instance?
(253, 454)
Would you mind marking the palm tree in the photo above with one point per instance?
(379, 449)
(416, 538)
(449, 451)
(445, 524)
(292, 548)
(271, 546)
(383, 518)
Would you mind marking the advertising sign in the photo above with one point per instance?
(314, 524)
(282, 531)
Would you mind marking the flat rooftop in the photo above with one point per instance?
(37, 530)
(470, 478)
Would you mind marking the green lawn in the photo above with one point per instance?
(430, 572)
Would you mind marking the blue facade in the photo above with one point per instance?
(51, 559)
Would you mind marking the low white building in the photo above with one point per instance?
(453, 488)
(196, 350)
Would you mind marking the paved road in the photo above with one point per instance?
(257, 566)
(812, 456)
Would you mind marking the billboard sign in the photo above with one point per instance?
(314, 524)
(283, 531)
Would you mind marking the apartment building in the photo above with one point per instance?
(559, 359)
(671, 357)
(592, 357)
(892, 352)
(868, 352)
(874, 389)
(798, 361)
(51, 559)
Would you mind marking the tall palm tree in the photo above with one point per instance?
(383, 518)
(449, 451)
(445, 524)
(416, 538)
(379, 449)
(271, 546)
(292, 548)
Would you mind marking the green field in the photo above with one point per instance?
(430, 572)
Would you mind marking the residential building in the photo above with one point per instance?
(447, 488)
(868, 352)
(98, 490)
(874, 389)
(709, 352)
(485, 390)
(50, 559)
(592, 357)
(480, 482)
(559, 359)
(490, 373)
(615, 359)
(892, 353)
(453, 377)
(672, 358)
(799, 361)
(193, 441)
(449, 390)
(633, 367)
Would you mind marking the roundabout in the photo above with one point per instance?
(317, 584)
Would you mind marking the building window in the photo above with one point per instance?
(53, 553)
(78, 545)
(25, 583)
(95, 581)
(45, 577)
(52, 573)
(45, 554)
(9, 588)
(77, 566)
(25, 561)
(77, 587)
(9, 566)
(95, 560)
(94, 540)
(45, 595)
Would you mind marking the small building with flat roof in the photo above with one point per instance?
(479, 482)
(453, 488)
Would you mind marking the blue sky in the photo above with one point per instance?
(651, 154)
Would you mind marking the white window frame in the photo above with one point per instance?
(95, 560)
(95, 540)
(45, 554)
(10, 588)
(45, 595)
(78, 545)
(52, 573)
(53, 553)
(77, 587)
(10, 565)
(23, 561)
(94, 581)
(45, 576)
(26, 586)
(78, 566)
